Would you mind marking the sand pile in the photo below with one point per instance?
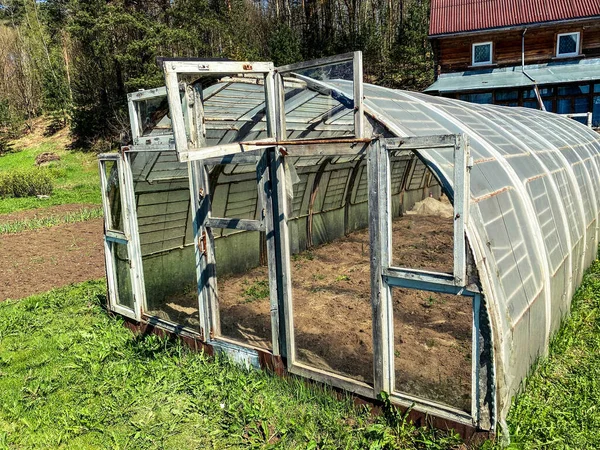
(432, 207)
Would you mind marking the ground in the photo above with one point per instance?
(71, 376)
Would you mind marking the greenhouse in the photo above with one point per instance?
(376, 240)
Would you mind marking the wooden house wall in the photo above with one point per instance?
(453, 54)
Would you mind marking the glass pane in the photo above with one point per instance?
(567, 44)
(564, 106)
(113, 193)
(481, 98)
(533, 105)
(432, 346)
(243, 287)
(573, 89)
(596, 87)
(482, 53)
(234, 109)
(529, 93)
(166, 237)
(507, 95)
(422, 217)
(153, 116)
(242, 280)
(596, 116)
(319, 102)
(581, 104)
(235, 195)
(122, 273)
(549, 105)
(331, 289)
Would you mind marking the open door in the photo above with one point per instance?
(125, 286)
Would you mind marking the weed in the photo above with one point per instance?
(25, 183)
(82, 215)
(258, 290)
(307, 255)
(342, 278)
(429, 302)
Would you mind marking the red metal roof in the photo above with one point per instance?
(453, 16)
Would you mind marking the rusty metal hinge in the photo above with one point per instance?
(202, 244)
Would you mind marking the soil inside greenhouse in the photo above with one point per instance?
(332, 312)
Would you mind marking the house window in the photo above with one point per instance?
(482, 53)
(567, 44)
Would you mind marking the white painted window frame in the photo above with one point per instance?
(129, 237)
(482, 63)
(192, 148)
(141, 143)
(577, 46)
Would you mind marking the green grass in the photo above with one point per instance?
(16, 226)
(560, 407)
(73, 377)
(75, 177)
(258, 290)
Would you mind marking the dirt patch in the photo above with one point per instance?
(332, 312)
(37, 261)
(43, 213)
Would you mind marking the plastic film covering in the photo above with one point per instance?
(533, 212)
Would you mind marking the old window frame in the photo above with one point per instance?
(129, 237)
(385, 277)
(357, 68)
(192, 147)
(140, 142)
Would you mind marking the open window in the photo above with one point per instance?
(122, 258)
(322, 98)
(219, 107)
(150, 119)
(425, 325)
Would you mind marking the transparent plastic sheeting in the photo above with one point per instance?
(535, 195)
(533, 228)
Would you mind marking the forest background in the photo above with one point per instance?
(75, 60)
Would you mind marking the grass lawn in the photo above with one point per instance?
(76, 178)
(73, 377)
(560, 407)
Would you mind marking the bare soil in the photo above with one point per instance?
(332, 312)
(36, 261)
(44, 213)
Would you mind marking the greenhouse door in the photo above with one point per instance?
(235, 247)
(123, 277)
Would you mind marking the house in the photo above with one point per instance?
(542, 54)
